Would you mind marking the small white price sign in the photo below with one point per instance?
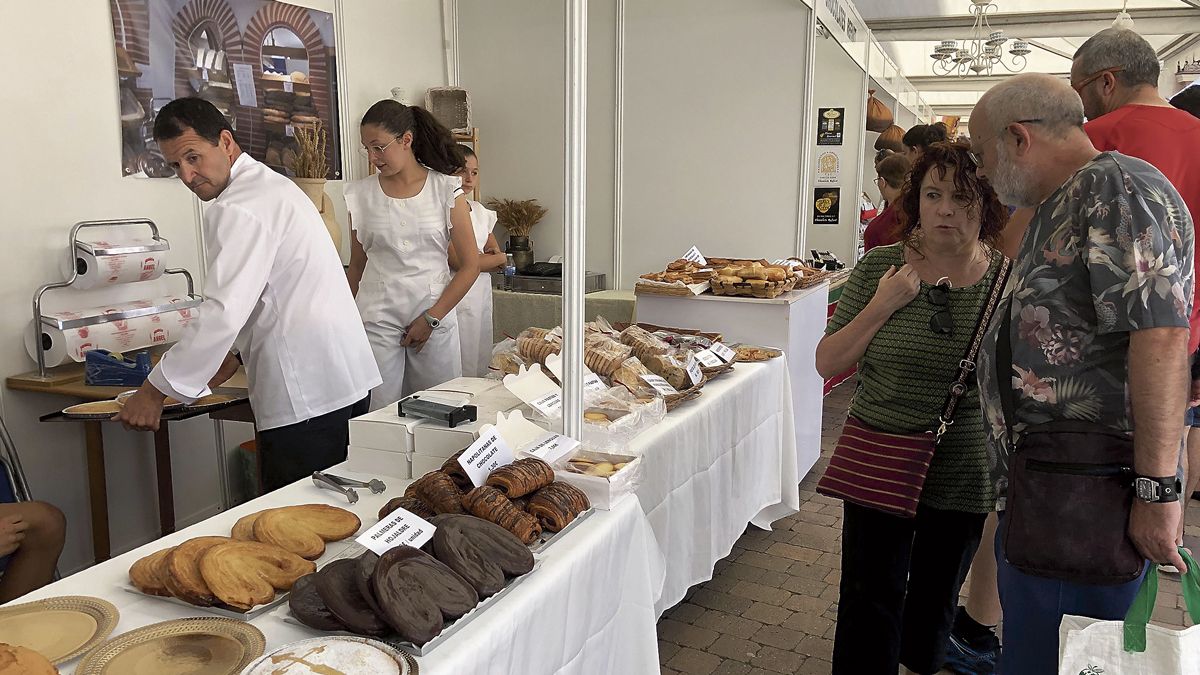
(694, 255)
(592, 382)
(399, 528)
(549, 405)
(552, 447)
(693, 370)
(660, 385)
(288, 87)
(289, 130)
(709, 359)
(722, 352)
(484, 456)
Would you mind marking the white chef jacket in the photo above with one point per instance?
(276, 292)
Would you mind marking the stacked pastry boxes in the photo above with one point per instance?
(385, 444)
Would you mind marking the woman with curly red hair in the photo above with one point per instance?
(904, 318)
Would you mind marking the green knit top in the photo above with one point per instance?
(906, 371)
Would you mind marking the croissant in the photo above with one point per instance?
(414, 505)
(243, 574)
(521, 477)
(488, 503)
(438, 490)
(557, 504)
(304, 529)
(184, 580)
(457, 474)
(149, 574)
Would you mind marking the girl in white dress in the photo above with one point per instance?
(475, 310)
(402, 221)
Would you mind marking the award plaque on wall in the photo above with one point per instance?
(830, 125)
(825, 205)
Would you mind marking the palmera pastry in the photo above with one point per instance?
(149, 574)
(243, 529)
(483, 553)
(17, 660)
(338, 587)
(184, 580)
(243, 574)
(521, 477)
(438, 490)
(557, 504)
(308, 607)
(488, 503)
(304, 529)
(418, 594)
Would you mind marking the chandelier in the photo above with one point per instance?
(983, 51)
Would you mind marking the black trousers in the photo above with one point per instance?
(295, 451)
(899, 590)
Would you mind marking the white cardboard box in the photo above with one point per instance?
(436, 440)
(378, 462)
(471, 386)
(384, 429)
(423, 464)
(604, 492)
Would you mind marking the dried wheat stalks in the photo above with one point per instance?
(312, 141)
(517, 217)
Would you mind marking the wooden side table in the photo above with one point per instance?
(69, 384)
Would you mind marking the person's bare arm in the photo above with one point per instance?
(1158, 391)
(358, 262)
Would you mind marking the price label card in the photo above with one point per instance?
(593, 383)
(289, 130)
(709, 359)
(693, 370)
(694, 255)
(660, 385)
(552, 447)
(722, 352)
(484, 456)
(549, 405)
(399, 528)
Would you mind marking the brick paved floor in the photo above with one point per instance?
(771, 605)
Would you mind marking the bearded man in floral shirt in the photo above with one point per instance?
(1098, 328)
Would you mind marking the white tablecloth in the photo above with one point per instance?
(717, 463)
(589, 607)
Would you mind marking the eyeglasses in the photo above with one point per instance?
(939, 296)
(978, 158)
(1092, 78)
(376, 149)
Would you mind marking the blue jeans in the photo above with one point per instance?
(1034, 607)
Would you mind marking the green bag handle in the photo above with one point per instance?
(1143, 604)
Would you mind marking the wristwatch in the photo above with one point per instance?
(1158, 490)
(433, 322)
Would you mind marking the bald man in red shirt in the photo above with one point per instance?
(1116, 74)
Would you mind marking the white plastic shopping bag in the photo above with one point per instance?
(1131, 647)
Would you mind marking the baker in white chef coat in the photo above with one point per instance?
(475, 310)
(275, 299)
(402, 221)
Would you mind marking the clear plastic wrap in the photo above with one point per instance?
(505, 360)
(644, 343)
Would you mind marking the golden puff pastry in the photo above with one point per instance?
(184, 580)
(244, 574)
(304, 529)
(149, 574)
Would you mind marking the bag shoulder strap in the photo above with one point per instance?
(967, 365)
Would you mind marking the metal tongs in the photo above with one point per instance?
(345, 486)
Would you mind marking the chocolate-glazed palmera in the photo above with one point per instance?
(417, 593)
(339, 591)
(482, 552)
(308, 607)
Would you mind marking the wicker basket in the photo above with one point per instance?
(767, 289)
(709, 372)
(675, 400)
(451, 106)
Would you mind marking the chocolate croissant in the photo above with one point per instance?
(414, 505)
(488, 503)
(457, 474)
(438, 490)
(557, 504)
(521, 477)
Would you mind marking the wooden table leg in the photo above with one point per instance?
(166, 488)
(97, 489)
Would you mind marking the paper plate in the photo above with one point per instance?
(194, 646)
(93, 410)
(753, 354)
(168, 403)
(335, 654)
(61, 628)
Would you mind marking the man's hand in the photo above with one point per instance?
(227, 370)
(143, 410)
(12, 533)
(1154, 529)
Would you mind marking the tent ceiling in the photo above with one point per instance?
(909, 31)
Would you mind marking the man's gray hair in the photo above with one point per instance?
(1119, 48)
(1033, 96)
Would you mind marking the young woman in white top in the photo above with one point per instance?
(475, 310)
(403, 220)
